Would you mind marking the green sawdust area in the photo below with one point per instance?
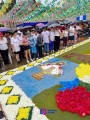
(83, 50)
(46, 99)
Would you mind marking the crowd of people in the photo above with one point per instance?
(34, 44)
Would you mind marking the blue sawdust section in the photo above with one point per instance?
(32, 87)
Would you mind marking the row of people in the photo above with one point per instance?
(30, 45)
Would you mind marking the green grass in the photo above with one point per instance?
(46, 99)
(84, 50)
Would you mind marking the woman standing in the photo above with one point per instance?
(26, 45)
(15, 46)
(4, 49)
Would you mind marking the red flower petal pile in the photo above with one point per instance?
(76, 100)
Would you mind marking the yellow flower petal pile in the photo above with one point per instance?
(57, 53)
(6, 90)
(45, 58)
(3, 82)
(52, 55)
(83, 70)
(1, 76)
(23, 113)
(21, 68)
(10, 72)
(39, 61)
(31, 64)
(13, 99)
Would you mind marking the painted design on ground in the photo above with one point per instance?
(24, 113)
(3, 82)
(79, 57)
(83, 72)
(12, 110)
(32, 87)
(6, 90)
(54, 69)
(13, 100)
(76, 100)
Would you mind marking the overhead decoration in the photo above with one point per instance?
(37, 11)
(4, 7)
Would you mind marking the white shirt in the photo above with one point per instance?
(16, 44)
(52, 36)
(71, 31)
(45, 35)
(3, 44)
(19, 37)
(65, 33)
(57, 32)
(78, 28)
(35, 37)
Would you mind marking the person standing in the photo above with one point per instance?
(52, 39)
(26, 45)
(75, 35)
(15, 46)
(65, 37)
(71, 34)
(4, 49)
(39, 44)
(46, 40)
(57, 39)
(19, 37)
(33, 49)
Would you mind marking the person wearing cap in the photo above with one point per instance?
(15, 46)
(4, 49)
(19, 37)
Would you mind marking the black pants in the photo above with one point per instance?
(39, 48)
(21, 52)
(57, 43)
(65, 41)
(4, 54)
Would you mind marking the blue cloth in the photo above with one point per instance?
(51, 45)
(46, 47)
(31, 87)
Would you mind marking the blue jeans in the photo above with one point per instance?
(51, 45)
(46, 47)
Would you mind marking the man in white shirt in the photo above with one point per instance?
(46, 40)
